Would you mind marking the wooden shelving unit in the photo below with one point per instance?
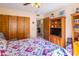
(75, 34)
(58, 37)
(55, 23)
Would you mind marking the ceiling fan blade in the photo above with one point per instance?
(26, 3)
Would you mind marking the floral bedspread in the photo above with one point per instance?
(34, 47)
(69, 48)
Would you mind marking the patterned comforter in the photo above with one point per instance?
(33, 47)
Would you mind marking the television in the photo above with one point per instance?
(55, 31)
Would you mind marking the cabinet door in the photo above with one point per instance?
(51, 39)
(27, 27)
(5, 26)
(55, 39)
(46, 28)
(12, 27)
(58, 41)
(20, 28)
(76, 48)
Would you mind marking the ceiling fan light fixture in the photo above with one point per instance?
(36, 5)
(37, 14)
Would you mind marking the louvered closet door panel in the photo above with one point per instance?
(27, 27)
(20, 28)
(12, 27)
(5, 25)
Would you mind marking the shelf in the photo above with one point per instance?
(75, 33)
(76, 23)
(55, 24)
(76, 42)
(54, 27)
(75, 14)
(76, 29)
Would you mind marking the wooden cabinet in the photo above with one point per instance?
(54, 30)
(57, 31)
(15, 27)
(57, 40)
(75, 34)
(76, 48)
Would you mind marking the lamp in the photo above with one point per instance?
(36, 5)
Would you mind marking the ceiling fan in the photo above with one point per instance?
(35, 5)
(26, 4)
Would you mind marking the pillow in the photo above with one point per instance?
(3, 44)
(2, 35)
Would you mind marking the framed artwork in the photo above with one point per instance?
(62, 13)
(77, 10)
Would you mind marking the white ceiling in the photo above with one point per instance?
(44, 8)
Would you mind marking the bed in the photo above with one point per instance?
(32, 47)
(3, 44)
(69, 45)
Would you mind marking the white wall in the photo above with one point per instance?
(33, 30)
(68, 11)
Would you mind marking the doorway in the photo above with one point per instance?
(39, 28)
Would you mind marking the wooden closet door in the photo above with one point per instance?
(5, 25)
(20, 28)
(12, 27)
(46, 28)
(27, 27)
(0, 23)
